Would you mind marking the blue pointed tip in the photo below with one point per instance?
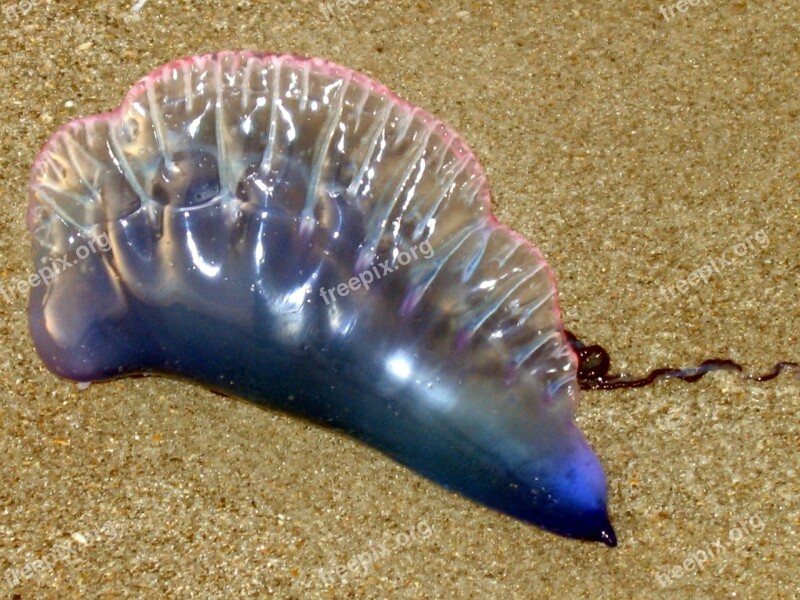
(608, 537)
(592, 526)
(604, 530)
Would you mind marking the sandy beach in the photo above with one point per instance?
(650, 151)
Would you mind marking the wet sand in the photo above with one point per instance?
(634, 149)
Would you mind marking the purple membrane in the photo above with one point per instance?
(285, 230)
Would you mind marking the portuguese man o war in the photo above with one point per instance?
(287, 231)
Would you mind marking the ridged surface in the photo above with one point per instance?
(233, 189)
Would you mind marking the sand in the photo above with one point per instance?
(631, 148)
